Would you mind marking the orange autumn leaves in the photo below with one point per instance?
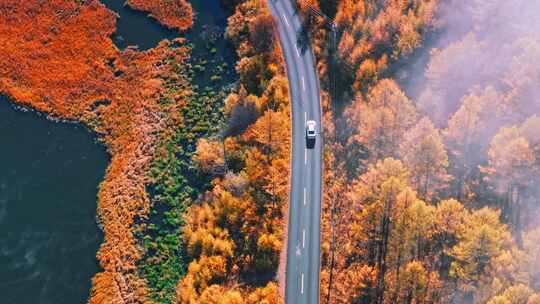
(371, 35)
(433, 199)
(375, 33)
(58, 58)
(41, 66)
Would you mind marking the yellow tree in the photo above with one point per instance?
(380, 121)
(375, 32)
(379, 197)
(268, 295)
(209, 155)
(409, 251)
(416, 284)
(518, 266)
(511, 162)
(201, 274)
(483, 238)
(389, 254)
(449, 223)
(353, 283)
(518, 294)
(424, 154)
(476, 120)
(217, 294)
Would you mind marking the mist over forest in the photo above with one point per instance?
(482, 81)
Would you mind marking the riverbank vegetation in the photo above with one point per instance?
(177, 182)
(432, 169)
(220, 181)
(234, 232)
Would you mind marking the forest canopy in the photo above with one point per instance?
(432, 164)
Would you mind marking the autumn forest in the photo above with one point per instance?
(431, 125)
(432, 153)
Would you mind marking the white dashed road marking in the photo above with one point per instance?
(286, 21)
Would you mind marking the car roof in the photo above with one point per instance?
(311, 126)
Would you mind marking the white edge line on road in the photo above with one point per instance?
(303, 83)
(297, 51)
(305, 197)
(286, 21)
(303, 238)
(302, 285)
(305, 156)
(305, 118)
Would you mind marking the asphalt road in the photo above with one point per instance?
(303, 245)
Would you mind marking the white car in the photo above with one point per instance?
(311, 129)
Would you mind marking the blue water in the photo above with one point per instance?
(49, 177)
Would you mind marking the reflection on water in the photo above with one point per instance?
(49, 174)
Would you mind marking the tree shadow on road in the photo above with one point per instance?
(303, 41)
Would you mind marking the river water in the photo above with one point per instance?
(50, 173)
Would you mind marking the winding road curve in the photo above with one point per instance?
(303, 246)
